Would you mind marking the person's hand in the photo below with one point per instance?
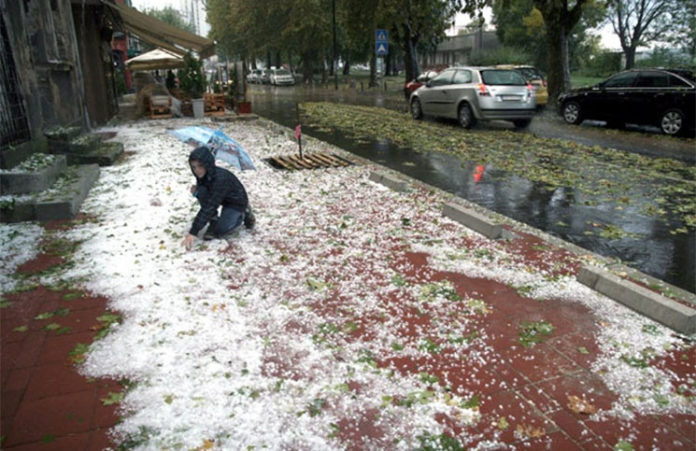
(188, 241)
(193, 189)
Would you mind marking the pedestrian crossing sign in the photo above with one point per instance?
(381, 42)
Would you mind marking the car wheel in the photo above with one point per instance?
(522, 123)
(466, 116)
(416, 110)
(672, 122)
(571, 113)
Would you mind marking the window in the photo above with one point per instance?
(502, 77)
(624, 80)
(462, 76)
(677, 82)
(652, 80)
(445, 78)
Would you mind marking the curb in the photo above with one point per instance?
(389, 182)
(646, 302)
(473, 220)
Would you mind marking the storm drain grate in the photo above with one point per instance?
(308, 161)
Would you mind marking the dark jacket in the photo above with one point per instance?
(218, 187)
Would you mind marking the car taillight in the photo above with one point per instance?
(543, 82)
(483, 90)
(530, 87)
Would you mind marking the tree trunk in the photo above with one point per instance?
(558, 69)
(630, 55)
(373, 71)
(411, 58)
(346, 67)
(307, 68)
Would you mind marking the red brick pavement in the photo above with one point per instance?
(45, 403)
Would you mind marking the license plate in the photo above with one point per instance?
(510, 97)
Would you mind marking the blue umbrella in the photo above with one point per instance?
(223, 147)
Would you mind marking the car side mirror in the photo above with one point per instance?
(429, 83)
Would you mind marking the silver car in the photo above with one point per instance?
(281, 77)
(470, 94)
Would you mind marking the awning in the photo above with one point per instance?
(162, 34)
(156, 59)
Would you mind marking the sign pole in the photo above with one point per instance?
(298, 129)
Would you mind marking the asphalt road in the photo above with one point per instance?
(644, 140)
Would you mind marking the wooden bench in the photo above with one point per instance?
(214, 103)
(160, 107)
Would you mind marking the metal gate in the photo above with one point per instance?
(14, 127)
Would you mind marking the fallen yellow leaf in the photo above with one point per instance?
(530, 431)
(207, 444)
(579, 405)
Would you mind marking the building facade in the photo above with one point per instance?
(56, 70)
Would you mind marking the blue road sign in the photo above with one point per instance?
(381, 42)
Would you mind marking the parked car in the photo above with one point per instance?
(254, 76)
(281, 77)
(535, 78)
(664, 98)
(419, 81)
(470, 94)
(265, 76)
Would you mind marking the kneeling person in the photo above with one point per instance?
(216, 187)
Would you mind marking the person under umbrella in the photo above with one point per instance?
(216, 187)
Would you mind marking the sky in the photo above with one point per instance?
(609, 39)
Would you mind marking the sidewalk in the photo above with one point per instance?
(353, 317)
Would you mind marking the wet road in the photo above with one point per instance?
(563, 212)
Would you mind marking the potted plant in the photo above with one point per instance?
(192, 83)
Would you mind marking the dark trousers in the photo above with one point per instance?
(228, 219)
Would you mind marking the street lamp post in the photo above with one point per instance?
(335, 59)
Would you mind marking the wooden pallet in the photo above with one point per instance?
(309, 161)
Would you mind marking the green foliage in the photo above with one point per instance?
(501, 55)
(666, 57)
(532, 333)
(191, 77)
(601, 64)
(442, 442)
(171, 16)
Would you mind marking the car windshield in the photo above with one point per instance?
(502, 77)
(282, 72)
